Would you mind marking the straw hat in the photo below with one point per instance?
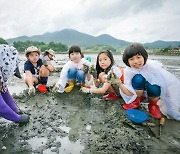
(50, 51)
(31, 49)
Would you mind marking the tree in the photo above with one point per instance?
(58, 47)
(2, 41)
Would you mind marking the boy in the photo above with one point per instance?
(35, 71)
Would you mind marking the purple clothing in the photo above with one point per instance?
(8, 107)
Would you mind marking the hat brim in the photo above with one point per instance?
(27, 52)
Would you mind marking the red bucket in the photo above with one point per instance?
(42, 88)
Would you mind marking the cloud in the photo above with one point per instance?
(135, 21)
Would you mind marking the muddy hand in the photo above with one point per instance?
(113, 79)
(86, 68)
(93, 71)
(31, 90)
(85, 90)
(45, 63)
(55, 88)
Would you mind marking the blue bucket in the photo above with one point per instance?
(136, 116)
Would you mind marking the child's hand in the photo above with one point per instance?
(45, 63)
(31, 90)
(113, 79)
(93, 71)
(86, 68)
(85, 90)
(56, 88)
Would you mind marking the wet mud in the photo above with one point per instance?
(82, 123)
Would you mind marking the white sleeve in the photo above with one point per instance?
(63, 76)
(117, 71)
(127, 83)
(90, 82)
(126, 98)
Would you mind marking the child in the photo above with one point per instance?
(8, 65)
(47, 56)
(73, 71)
(161, 86)
(35, 71)
(105, 65)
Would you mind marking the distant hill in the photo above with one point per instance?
(162, 44)
(70, 36)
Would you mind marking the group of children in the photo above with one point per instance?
(142, 78)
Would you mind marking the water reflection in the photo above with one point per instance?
(36, 142)
(69, 147)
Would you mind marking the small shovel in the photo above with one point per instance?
(161, 124)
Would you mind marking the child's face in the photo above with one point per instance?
(75, 57)
(104, 61)
(50, 56)
(136, 61)
(33, 57)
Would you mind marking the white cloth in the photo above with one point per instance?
(70, 64)
(116, 70)
(8, 63)
(45, 58)
(154, 73)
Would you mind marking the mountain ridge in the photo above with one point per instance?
(71, 36)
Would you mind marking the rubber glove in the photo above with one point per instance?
(85, 90)
(31, 90)
(86, 68)
(113, 79)
(93, 71)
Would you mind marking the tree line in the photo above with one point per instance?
(57, 47)
(21, 46)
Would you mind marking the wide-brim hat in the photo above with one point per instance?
(32, 49)
(50, 51)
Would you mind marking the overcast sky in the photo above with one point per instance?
(130, 20)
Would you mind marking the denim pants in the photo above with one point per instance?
(140, 83)
(77, 75)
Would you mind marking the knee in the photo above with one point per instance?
(153, 90)
(81, 74)
(138, 82)
(101, 77)
(72, 70)
(44, 71)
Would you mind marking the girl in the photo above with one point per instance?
(8, 65)
(161, 86)
(73, 71)
(105, 65)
